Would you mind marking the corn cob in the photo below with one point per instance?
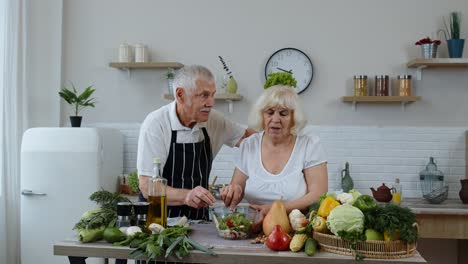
(297, 242)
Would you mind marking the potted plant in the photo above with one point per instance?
(231, 85)
(454, 43)
(428, 47)
(78, 101)
(283, 78)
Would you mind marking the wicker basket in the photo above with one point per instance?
(369, 249)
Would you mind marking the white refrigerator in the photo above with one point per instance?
(60, 168)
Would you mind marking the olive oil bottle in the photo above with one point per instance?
(157, 211)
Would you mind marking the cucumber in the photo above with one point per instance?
(310, 246)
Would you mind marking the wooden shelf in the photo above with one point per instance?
(229, 98)
(226, 97)
(403, 100)
(420, 64)
(444, 62)
(145, 65)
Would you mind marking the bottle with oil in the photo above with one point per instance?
(396, 192)
(157, 211)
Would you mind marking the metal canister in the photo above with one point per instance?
(360, 85)
(404, 85)
(381, 87)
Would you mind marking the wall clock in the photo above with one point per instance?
(293, 61)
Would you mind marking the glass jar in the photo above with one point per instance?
(381, 87)
(431, 178)
(404, 85)
(360, 85)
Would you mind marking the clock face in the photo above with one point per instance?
(294, 61)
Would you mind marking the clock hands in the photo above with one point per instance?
(290, 71)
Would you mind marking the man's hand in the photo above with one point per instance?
(232, 195)
(199, 197)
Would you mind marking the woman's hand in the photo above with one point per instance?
(232, 195)
(263, 209)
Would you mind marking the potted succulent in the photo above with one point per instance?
(283, 78)
(428, 47)
(454, 43)
(231, 85)
(78, 101)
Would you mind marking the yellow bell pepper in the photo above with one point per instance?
(326, 206)
(388, 236)
(319, 224)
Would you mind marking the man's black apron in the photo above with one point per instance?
(188, 165)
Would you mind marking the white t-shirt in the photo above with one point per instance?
(156, 131)
(263, 187)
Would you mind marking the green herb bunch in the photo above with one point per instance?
(172, 240)
(133, 182)
(392, 218)
(79, 101)
(104, 215)
(107, 200)
(281, 78)
(225, 67)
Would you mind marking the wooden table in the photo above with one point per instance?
(240, 251)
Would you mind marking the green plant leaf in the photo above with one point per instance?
(78, 101)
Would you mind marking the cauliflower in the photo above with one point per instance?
(297, 219)
(345, 198)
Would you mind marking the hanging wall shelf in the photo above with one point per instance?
(421, 64)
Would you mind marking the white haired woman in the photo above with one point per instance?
(278, 161)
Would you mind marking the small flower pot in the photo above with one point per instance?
(455, 47)
(75, 121)
(429, 51)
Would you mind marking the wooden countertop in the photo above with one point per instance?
(228, 251)
(448, 207)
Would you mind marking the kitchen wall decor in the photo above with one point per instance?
(293, 61)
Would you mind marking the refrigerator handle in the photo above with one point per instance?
(31, 193)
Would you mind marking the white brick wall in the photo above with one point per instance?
(376, 154)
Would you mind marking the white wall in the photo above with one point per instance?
(43, 63)
(342, 38)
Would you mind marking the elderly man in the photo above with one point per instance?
(186, 135)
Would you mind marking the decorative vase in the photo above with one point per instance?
(455, 47)
(429, 50)
(170, 84)
(75, 121)
(464, 191)
(231, 86)
(346, 180)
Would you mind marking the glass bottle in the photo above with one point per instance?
(346, 180)
(157, 212)
(397, 192)
(124, 212)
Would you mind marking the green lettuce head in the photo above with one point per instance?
(280, 78)
(345, 218)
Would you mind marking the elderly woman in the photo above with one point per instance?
(278, 161)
